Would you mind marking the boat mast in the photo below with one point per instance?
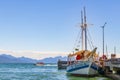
(84, 30)
(114, 50)
(85, 27)
(82, 27)
(106, 52)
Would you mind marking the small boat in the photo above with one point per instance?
(39, 64)
(83, 62)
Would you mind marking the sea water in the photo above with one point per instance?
(22, 71)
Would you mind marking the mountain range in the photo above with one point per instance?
(11, 59)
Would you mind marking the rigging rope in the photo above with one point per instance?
(91, 42)
(77, 41)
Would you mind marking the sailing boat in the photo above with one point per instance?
(83, 62)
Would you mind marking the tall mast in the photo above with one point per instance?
(85, 26)
(114, 50)
(82, 27)
(84, 30)
(106, 52)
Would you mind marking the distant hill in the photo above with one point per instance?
(53, 59)
(11, 59)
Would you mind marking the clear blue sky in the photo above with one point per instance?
(50, 25)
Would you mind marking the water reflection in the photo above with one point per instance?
(69, 77)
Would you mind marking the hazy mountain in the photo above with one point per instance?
(11, 59)
(53, 59)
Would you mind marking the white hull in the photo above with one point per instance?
(39, 64)
(83, 68)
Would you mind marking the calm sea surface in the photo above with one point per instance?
(32, 72)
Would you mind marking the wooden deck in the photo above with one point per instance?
(113, 76)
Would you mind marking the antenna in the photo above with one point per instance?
(103, 37)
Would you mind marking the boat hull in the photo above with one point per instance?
(39, 64)
(86, 68)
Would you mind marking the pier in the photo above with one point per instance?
(112, 67)
(62, 64)
(113, 76)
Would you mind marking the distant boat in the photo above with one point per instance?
(40, 64)
(83, 62)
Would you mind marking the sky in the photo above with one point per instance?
(48, 28)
